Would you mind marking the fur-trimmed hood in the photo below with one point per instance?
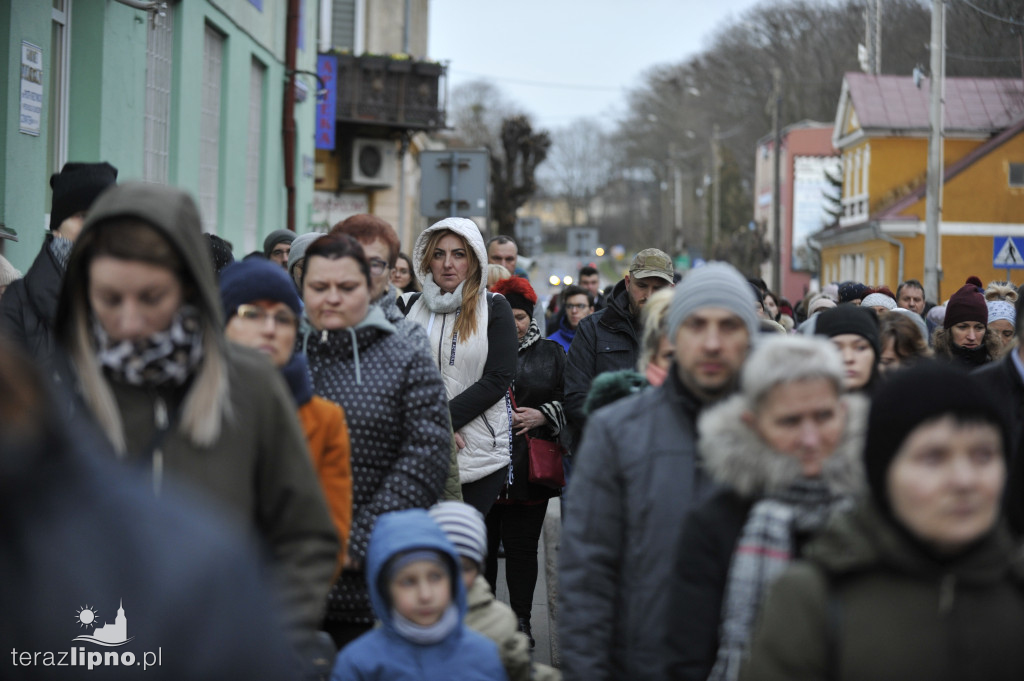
(732, 454)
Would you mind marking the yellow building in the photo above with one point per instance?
(881, 131)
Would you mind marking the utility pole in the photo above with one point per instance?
(933, 197)
(878, 38)
(716, 187)
(777, 180)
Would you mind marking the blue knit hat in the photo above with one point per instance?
(256, 279)
(716, 284)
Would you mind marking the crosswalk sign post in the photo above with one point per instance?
(1007, 253)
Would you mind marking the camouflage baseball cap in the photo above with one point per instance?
(652, 262)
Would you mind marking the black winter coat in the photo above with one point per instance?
(28, 309)
(538, 382)
(605, 341)
(1004, 382)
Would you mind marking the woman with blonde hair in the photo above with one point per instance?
(473, 337)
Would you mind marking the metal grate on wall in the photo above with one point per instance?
(159, 71)
(209, 128)
(254, 155)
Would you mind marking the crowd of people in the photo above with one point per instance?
(328, 445)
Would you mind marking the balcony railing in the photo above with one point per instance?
(400, 93)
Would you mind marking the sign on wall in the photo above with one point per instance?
(327, 69)
(31, 89)
(810, 206)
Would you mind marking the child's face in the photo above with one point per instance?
(421, 591)
(469, 572)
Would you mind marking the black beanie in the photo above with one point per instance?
(921, 393)
(76, 186)
(852, 290)
(861, 321)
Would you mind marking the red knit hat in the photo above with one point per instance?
(966, 305)
(521, 296)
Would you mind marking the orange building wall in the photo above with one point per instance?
(898, 163)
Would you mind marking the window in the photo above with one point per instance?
(1017, 174)
(254, 155)
(209, 128)
(157, 136)
(60, 48)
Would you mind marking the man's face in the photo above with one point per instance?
(711, 345)
(378, 255)
(642, 289)
(576, 308)
(911, 298)
(591, 282)
(279, 254)
(504, 255)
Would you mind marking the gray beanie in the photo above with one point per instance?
(716, 284)
(464, 526)
(274, 238)
(299, 247)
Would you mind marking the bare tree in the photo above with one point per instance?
(578, 164)
(514, 168)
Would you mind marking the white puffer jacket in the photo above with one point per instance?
(461, 362)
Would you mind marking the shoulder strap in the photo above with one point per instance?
(405, 305)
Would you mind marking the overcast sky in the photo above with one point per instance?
(565, 59)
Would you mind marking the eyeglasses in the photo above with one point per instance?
(377, 266)
(254, 314)
(576, 306)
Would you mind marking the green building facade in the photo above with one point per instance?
(189, 95)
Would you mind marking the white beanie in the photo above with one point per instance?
(878, 299)
(1001, 309)
(716, 284)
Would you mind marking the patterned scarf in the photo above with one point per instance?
(764, 550)
(437, 300)
(168, 356)
(60, 249)
(532, 335)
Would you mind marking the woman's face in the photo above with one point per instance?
(946, 482)
(267, 326)
(801, 419)
(1003, 330)
(858, 359)
(968, 334)
(131, 299)
(335, 292)
(401, 275)
(449, 264)
(522, 322)
(890, 360)
(771, 308)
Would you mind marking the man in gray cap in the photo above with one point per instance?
(278, 245)
(609, 340)
(635, 479)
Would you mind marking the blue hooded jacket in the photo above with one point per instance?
(384, 655)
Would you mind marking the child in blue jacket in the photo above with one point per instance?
(413, 578)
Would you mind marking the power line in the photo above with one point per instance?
(537, 83)
(1012, 22)
(967, 57)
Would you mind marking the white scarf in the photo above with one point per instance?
(437, 300)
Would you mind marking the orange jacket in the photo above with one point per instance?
(323, 422)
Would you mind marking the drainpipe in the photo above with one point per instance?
(816, 247)
(288, 115)
(895, 242)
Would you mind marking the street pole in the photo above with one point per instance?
(933, 197)
(777, 182)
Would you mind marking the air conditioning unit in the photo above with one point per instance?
(373, 163)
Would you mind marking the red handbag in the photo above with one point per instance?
(545, 459)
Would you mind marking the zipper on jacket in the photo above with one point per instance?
(494, 436)
(444, 320)
(162, 423)
(947, 592)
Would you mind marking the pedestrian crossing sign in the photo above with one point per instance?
(1007, 252)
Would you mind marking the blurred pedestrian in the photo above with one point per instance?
(8, 275)
(262, 310)
(635, 479)
(220, 252)
(140, 319)
(297, 257)
(925, 552)
(517, 517)
(854, 331)
(577, 305)
(394, 403)
(473, 341)
(1002, 320)
(902, 340)
(403, 276)
(965, 337)
(277, 246)
(496, 273)
(785, 452)
(28, 310)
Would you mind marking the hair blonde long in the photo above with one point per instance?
(466, 324)
(207, 402)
